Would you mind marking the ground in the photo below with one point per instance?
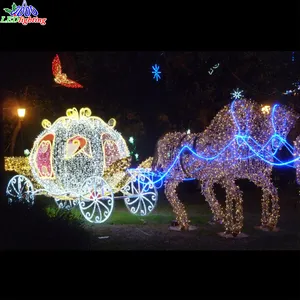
(42, 227)
(127, 232)
(155, 236)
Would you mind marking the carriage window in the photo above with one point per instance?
(110, 150)
(77, 144)
(44, 156)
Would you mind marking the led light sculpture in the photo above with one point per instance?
(80, 159)
(240, 143)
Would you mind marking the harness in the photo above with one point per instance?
(181, 156)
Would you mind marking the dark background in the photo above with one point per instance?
(149, 29)
(119, 84)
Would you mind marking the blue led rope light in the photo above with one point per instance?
(240, 139)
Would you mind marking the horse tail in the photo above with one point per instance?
(297, 155)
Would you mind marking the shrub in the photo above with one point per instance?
(40, 228)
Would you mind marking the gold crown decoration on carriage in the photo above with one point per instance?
(81, 157)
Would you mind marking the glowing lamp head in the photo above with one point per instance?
(21, 112)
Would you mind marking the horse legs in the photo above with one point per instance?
(233, 216)
(269, 204)
(178, 207)
(208, 192)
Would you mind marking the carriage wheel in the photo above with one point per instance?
(140, 195)
(96, 199)
(20, 189)
(66, 204)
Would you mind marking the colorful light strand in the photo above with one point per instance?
(241, 142)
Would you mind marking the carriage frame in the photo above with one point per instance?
(95, 196)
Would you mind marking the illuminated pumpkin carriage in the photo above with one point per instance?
(81, 160)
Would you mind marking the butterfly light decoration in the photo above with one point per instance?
(62, 78)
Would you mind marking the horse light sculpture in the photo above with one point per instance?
(240, 143)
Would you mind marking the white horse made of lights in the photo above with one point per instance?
(240, 143)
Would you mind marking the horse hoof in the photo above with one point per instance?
(231, 236)
(267, 228)
(192, 227)
(175, 228)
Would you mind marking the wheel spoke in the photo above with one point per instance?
(15, 190)
(103, 205)
(87, 207)
(100, 212)
(19, 189)
(148, 200)
(93, 210)
(102, 199)
(134, 201)
(65, 204)
(139, 191)
(145, 208)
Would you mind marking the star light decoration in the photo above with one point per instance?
(237, 94)
(61, 78)
(156, 73)
(240, 143)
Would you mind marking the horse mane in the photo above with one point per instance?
(246, 118)
(241, 118)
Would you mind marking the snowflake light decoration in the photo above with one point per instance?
(237, 94)
(156, 72)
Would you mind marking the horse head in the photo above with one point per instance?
(165, 151)
(282, 119)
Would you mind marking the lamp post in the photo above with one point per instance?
(2, 180)
(21, 115)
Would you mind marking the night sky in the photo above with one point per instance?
(118, 83)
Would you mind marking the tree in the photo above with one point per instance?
(30, 98)
(187, 90)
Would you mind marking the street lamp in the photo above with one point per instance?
(21, 112)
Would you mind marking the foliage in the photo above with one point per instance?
(32, 228)
(35, 102)
(189, 87)
(120, 85)
(69, 215)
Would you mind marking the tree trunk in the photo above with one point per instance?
(14, 137)
(2, 180)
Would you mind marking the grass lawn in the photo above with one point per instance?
(125, 231)
(162, 214)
